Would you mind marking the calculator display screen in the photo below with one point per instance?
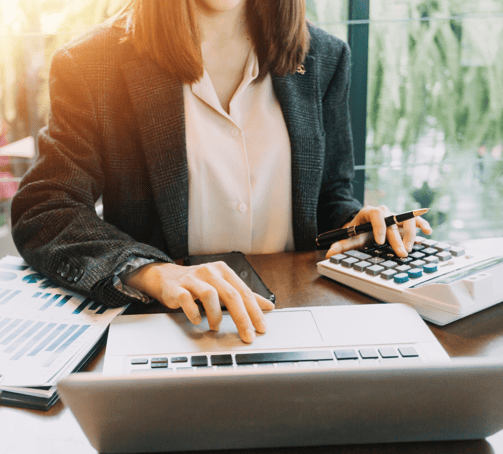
(463, 272)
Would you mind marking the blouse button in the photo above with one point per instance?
(235, 132)
(243, 207)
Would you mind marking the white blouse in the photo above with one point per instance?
(240, 195)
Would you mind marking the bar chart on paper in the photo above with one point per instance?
(43, 327)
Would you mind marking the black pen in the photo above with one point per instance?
(327, 238)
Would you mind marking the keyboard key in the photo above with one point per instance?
(345, 354)
(388, 274)
(401, 278)
(137, 361)
(357, 255)
(368, 353)
(457, 251)
(337, 259)
(408, 352)
(199, 361)
(415, 273)
(221, 360)
(349, 262)
(361, 266)
(388, 352)
(179, 359)
(374, 270)
(280, 357)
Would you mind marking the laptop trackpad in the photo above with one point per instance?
(173, 333)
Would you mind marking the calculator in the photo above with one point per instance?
(441, 281)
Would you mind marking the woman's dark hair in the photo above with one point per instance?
(167, 31)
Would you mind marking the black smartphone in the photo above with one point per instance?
(237, 262)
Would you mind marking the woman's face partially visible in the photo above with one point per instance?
(220, 6)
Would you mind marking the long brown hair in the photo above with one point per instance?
(167, 31)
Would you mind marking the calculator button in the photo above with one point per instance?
(430, 268)
(388, 352)
(444, 256)
(159, 360)
(337, 259)
(429, 243)
(419, 240)
(432, 259)
(159, 365)
(415, 273)
(417, 247)
(349, 262)
(429, 251)
(408, 352)
(361, 266)
(345, 354)
(402, 268)
(357, 255)
(138, 361)
(403, 260)
(374, 270)
(457, 251)
(368, 353)
(401, 278)
(442, 246)
(376, 260)
(417, 255)
(417, 264)
(388, 264)
(388, 274)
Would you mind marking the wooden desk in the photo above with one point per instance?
(295, 281)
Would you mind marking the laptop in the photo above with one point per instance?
(319, 376)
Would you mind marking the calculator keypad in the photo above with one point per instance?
(381, 261)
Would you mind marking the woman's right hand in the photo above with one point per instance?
(213, 284)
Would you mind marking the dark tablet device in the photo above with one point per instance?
(236, 261)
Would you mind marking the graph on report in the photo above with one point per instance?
(43, 327)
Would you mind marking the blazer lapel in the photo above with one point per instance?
(158, 104)
(298, 95)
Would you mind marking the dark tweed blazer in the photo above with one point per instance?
(117, 129)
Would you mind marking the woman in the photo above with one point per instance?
(207, 126)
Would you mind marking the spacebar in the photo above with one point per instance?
(279, 357)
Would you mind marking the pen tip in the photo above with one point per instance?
(421, 211)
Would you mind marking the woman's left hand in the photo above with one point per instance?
(400, 237)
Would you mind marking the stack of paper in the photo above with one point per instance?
(46, 332)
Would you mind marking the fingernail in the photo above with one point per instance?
(402, 251)
(380, 239)
(197, 320)
(249, 336)
(216, 327)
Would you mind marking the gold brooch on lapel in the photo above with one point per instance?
(301, 69)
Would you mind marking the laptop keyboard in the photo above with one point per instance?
(346, 357)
